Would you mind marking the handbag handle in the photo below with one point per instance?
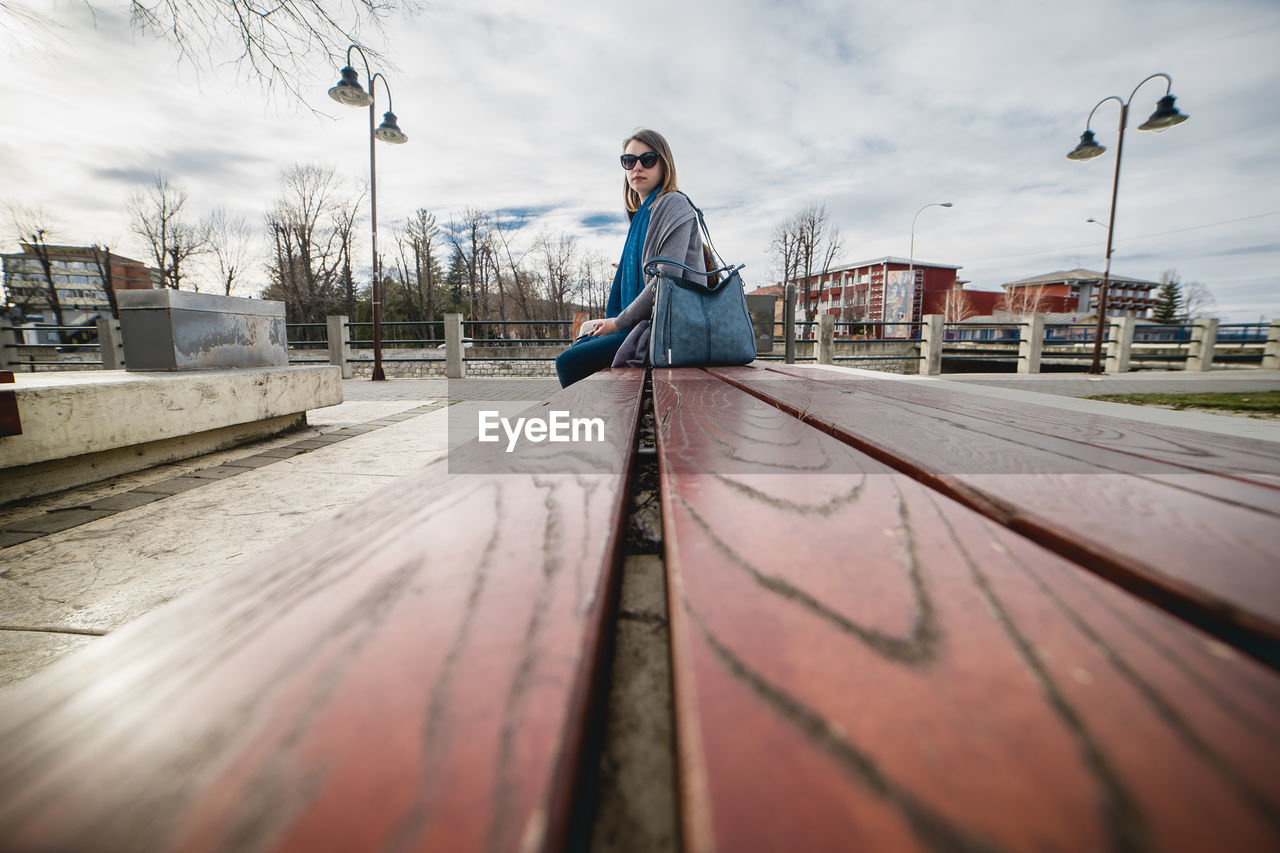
(651, 268)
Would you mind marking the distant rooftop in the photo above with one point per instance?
(1076, 275)
(889, 259)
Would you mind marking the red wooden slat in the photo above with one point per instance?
(10, 421)
(1154, 448)
(411, 676)
(1202, 546)
(864, 664)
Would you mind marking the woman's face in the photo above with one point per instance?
(643, 180)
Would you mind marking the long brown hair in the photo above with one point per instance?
(658, 143)
(670, 183)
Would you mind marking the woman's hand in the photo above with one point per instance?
(595, 328)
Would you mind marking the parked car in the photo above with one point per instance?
(466, 344)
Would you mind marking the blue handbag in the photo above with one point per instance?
(700, 319)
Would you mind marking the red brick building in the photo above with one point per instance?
(888, 289)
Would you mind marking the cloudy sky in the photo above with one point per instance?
(875, 108)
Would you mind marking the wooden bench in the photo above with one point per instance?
(10, 421)
(880, 639)
(862, 662)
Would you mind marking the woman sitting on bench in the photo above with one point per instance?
(663, 224)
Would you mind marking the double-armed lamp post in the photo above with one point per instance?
(1165, 117)
(349, 92)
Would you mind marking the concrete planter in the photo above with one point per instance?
(178, 330)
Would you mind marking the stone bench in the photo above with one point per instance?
(86, 426)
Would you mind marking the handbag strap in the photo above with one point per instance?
(706, 233)
(651, 268)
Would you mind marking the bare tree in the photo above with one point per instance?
(311, 228)
(557, 258)
(156, 217)
(595, 277)
(469, 236)
(818, 244)
(1197, 301)
(514, 281)
(419, 250)
(102, 260)
(1024, 300)
(784, 245)
(804, 245)
(32, 229)
(231, 246)
(958, 306)
(279, 44)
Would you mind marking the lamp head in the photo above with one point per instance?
(944, 204)
(349, 92)
(1087, 149)
(1165, 116)
(389, 131)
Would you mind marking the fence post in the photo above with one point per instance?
(1030, 343)
(1120, 345)
(931, 345)
(1271, 352)
(1204, 338)
(826, 338)
(111, 343)
(789, 322)
(6, 340)
(454, 366)
(339, 338)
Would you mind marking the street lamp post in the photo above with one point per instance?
(1165, 117)
(911, 253)
(349, 92)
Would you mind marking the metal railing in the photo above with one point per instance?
(515, 343)
(1062, 343)
(1247, 343)
(80, 338)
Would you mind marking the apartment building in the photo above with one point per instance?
(78, 275)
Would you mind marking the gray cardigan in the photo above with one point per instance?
(673, 233)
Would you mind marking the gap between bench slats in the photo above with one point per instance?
(1192, 543)
(411, 675)
(863, 663)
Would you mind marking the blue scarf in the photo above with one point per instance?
(628, 281)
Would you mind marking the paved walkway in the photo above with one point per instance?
(79, 564)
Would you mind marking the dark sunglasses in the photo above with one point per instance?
(648, 159)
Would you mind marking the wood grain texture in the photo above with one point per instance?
(412, 676)
(863, 663)
(1201, 545)
(1151, 448)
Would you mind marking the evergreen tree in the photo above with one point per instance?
(1168, 300)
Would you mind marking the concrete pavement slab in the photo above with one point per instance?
(103, 574)
(24, 653)
(337, 418)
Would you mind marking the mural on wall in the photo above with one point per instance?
(899, 293)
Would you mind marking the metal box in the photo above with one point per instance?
(181, 330)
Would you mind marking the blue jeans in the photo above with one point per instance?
(587, 355)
